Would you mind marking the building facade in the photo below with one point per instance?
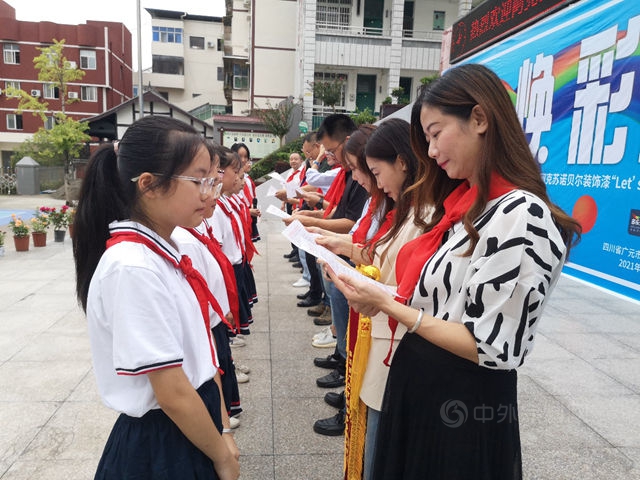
(187, 61)
(101, 49)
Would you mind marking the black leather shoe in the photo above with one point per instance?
(334, 399)
(289, 255)
(297, 265)
(333, 426)
(308, 302)
(302, 296)
(329, 362)
(332, 380)
(294, 259)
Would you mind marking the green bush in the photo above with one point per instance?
(277, 160)
(362, 117)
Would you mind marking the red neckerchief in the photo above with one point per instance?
(360, 235)
(241, 208)
(249, 191)
(413, 255)
(235, 227)
(193, 277)
(225, 267)
(293, 175)
(335, 192)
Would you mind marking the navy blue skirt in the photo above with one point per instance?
(243, 300)
(152, 447)
(230, 390)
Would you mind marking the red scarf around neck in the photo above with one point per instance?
(193, 277)
(335, 192)
(413, 256)
(225, 267)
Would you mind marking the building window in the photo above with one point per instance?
(334, 13)
(50, 91)
(89, 94)
(14, 121)
(88, 59)
(220, 44)
(196, 42)
(12, 84)
(167, 64)
(438, 20)
(167, 34)
(220, 74)
(49, 123)
(332, 77)
(11, 53)
(240, 76)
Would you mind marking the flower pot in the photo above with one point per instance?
(21, 243)
(39, 239)
(58, 235)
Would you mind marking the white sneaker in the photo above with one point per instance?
(322, 333)
(234, 422)
(242, 377)
(243, 369)
(237, 342)
(301, 282)
(326, 341)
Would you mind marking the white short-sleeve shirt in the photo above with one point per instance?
(143, 316)
(223, 231)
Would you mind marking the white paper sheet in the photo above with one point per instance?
(301, 238)
(290, 188)
(277, 176)
(272, 191)
(273, 210)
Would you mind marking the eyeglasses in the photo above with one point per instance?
(333, 151)
(205, 184)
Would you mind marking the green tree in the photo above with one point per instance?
(61, 143)
(329, 92)
(277, 119)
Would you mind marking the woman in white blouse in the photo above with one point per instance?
(470, 290)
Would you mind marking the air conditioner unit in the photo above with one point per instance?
(211, 44)
(73, 94)
(72, 64)
(35, 93)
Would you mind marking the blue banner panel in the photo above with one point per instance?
(574, 78)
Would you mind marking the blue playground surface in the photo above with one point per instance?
(5, 215)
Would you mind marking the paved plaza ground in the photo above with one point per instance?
(579, 393)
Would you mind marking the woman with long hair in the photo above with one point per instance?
(470, 290)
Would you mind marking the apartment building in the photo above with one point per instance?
(101, 49)
(187, 61)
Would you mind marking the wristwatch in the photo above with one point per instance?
(320, 203)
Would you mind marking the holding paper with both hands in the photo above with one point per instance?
(297, 234)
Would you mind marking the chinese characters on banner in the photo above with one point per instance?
(574, 78)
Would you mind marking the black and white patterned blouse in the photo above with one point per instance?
(499, 291)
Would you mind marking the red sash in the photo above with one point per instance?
(413, 256)
(242, 210)
(335, 192)
(227, 271)
(193, 277)
(235, 227)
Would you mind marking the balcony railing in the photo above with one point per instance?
(341, 29)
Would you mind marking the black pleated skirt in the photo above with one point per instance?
(152, 447)
(243, 300)
(446, 418)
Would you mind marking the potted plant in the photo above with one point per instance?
(60, 221)
(39, 231)
(71, 215)
(20, 232)
(2, 235)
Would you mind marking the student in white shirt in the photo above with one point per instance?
(146, 306)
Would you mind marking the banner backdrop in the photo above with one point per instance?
(574, 78)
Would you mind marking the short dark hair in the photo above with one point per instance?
(337, 126)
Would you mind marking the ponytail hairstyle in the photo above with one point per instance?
(160, 145)
(505, 149)
(389, 143)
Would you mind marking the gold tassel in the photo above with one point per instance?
(356, 419)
